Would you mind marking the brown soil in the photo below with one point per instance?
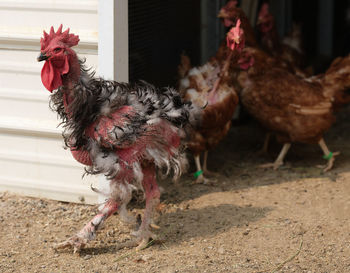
(249, 220)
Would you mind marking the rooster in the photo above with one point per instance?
(125, 131)
(295, 109)
(210, 86)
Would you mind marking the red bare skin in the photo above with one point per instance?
(88, 232)
(143, 234)
(152, 193)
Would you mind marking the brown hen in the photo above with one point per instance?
(295, 109)
(209, 86)
(229, 14)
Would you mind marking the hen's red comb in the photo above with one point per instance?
(64, 37)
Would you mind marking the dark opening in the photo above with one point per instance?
(159, 31)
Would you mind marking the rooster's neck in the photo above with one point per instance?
(72, 77)
(71, 80)
(69, 83)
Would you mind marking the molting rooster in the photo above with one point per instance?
(125, 131)
(210, 86)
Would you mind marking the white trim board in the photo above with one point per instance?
(113, 50)
(56, 191)
(25, 126)
(79, 6)
(24, 95)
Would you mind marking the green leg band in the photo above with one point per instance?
(329, 156)
(198, 173)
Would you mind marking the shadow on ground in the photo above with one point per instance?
(186, 224)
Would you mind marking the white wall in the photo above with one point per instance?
(32, 160)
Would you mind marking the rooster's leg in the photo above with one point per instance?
(152, 193)
(88, 232)
(327, 155)
(199, 173)
(279, 160)
(205, 170)
(123, 212)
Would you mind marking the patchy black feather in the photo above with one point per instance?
(93, 97)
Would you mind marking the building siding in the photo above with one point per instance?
(32, 159)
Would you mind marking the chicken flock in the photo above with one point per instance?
(133, 133)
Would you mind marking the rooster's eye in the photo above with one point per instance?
(57, 49)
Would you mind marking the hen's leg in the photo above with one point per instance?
(328, 155)
(88, 232)
(265, 147)
(199, 173)
(152, 193)
(205, 170)
(279, 160)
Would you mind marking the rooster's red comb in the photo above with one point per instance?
(64, 37)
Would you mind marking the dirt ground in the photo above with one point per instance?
(295, 219)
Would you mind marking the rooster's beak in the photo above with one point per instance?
(42, 57)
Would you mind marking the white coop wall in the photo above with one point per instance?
(32, 161)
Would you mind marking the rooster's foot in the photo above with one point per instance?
(77, 242)
(143, 237)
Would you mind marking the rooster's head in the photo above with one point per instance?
(56, 52)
